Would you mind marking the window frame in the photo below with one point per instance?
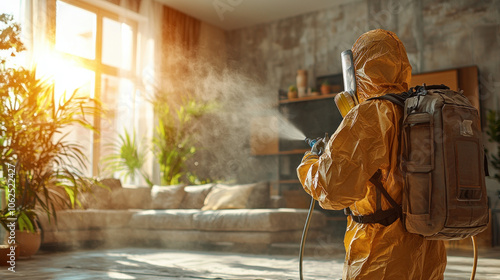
(101, 10)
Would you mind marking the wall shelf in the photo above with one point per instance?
(290, 152)
(292, 181)
(307, 98)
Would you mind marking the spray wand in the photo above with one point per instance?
(321, 148)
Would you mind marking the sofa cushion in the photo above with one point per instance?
(282, 219)
(195, 196)
(87, 219)
(167, 197)
(227, 197)
(131, 197)
(164, 219)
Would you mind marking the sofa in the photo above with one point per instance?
(195, 216)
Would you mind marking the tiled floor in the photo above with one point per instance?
(152, 263)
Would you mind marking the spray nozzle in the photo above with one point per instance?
(317, 149)
(311, 142)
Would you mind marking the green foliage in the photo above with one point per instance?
(173, 143)
(10, 34)
(128, 158)
(493, 132)
(47, 172)
(292, 88)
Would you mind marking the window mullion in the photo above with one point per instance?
(96, 143)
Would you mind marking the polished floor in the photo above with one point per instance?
(154, 263)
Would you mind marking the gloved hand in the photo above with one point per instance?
(319, 146)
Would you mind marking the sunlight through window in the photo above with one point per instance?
(72, 78)
(117, 44)
(95, 55)
(119, 100)
(75, 30)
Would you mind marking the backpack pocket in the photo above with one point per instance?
(418, 144)
(417, 162)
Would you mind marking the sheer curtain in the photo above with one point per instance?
(35, 29)
(135, 112)
(149, 64)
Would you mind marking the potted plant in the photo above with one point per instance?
(173, 144)
(41, 169)
(325, 87)
(314, 92)
(292, 92)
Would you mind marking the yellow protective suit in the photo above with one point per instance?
(365, 141)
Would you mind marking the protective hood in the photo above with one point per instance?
(381, 64)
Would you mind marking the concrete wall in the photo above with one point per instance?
(212, 45)
(437, 35)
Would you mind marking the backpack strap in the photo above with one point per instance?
(376, 180)
(399, 98)
(383, 217)
(396, 98)
(426, 87)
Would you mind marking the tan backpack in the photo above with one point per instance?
(443, 163)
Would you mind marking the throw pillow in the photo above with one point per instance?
(228, 197)
(112, 183)
(99, 196)
(195, 196)
(260, 196)
(167, 197)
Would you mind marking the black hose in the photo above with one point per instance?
(304, 236)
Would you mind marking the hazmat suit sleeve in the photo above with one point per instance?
(361, 145)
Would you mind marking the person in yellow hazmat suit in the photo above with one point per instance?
(367, 141)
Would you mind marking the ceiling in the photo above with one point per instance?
(235, 14)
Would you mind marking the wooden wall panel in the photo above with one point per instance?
(465, 78)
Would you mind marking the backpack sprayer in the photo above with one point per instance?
(345, 101)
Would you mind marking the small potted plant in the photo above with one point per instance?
(314, 92)
(325, 87)
(292, 92)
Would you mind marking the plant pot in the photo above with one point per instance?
(325, 89)
(292, 94)
(335, 88)
(4, 258)
(28, 243)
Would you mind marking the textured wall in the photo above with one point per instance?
(438, 35)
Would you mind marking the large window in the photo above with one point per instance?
(96, 54)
